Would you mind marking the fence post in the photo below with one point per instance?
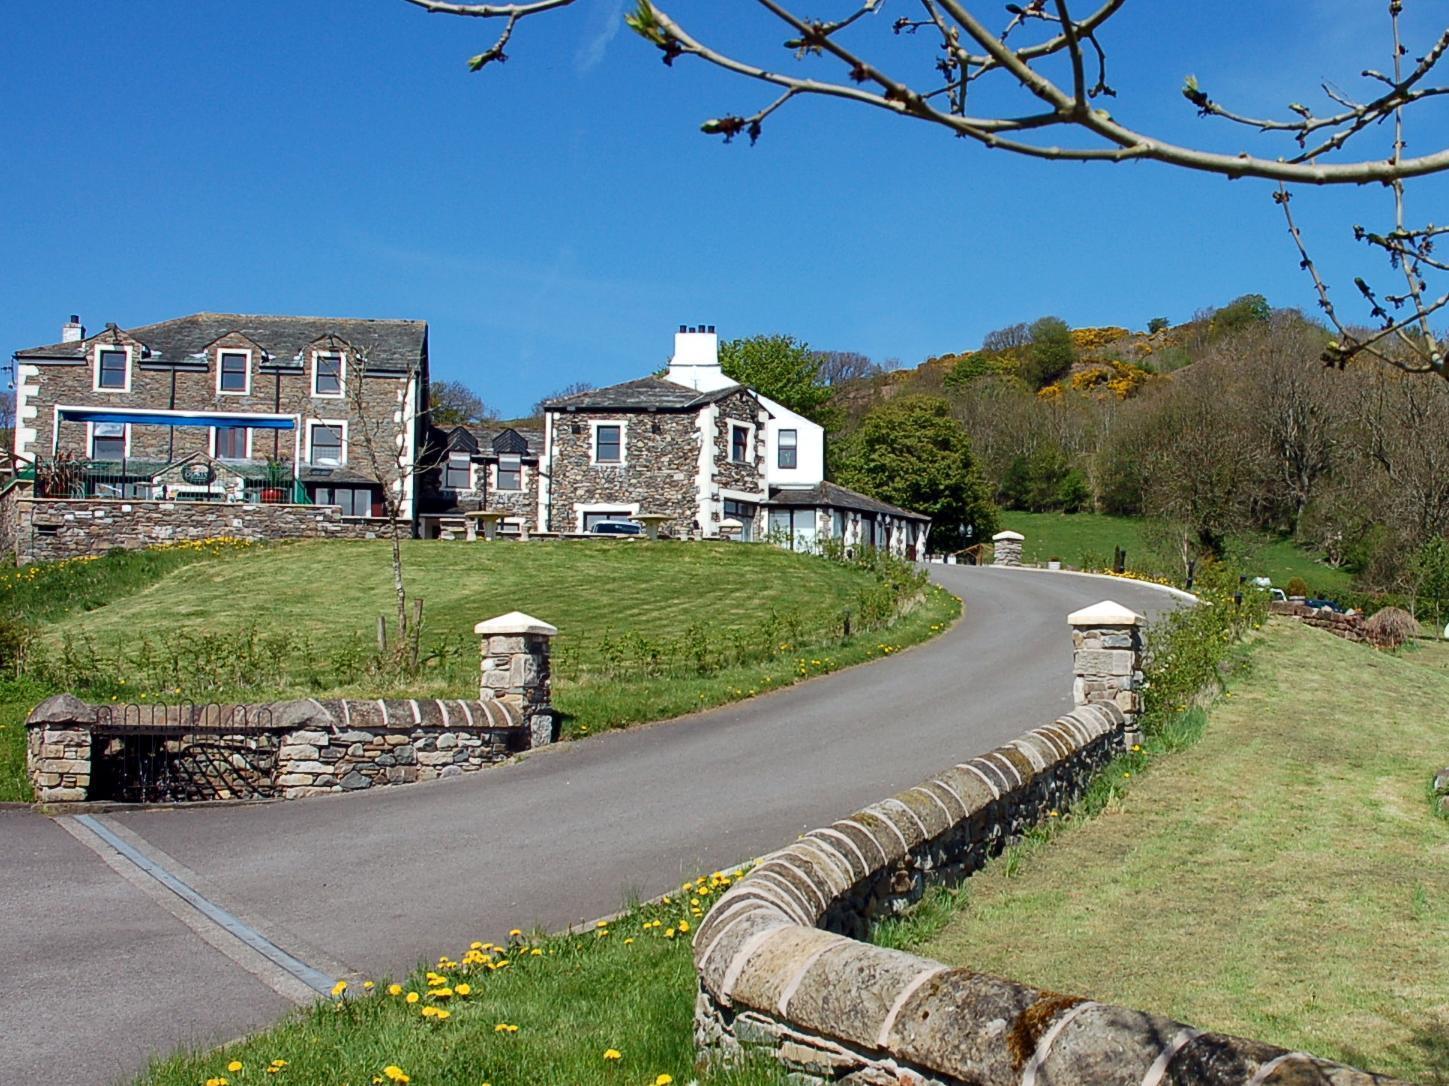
(1008, 548)
(1107, 656)
(515, 649)
(58, 749)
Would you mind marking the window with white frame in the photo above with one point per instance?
(113, 369)
(326, 444)
(233, 377)
(510, 471)
(231, 442)
(327, 375)
(108, 441)
(789, 449)
(609, 443)
(458, 472)
(740, 443)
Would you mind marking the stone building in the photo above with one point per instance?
(712, 457)
(224, 407)
(476, 469)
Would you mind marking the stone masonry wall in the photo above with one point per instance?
(9, 522)
(781, 971)
(658, 475)
(1348, 627)
(48, 529)
(749, 476)
(292, 749)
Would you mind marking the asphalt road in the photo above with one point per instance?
(105, 967)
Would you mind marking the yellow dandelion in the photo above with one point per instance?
(613, 1054)
(339, 988)
(234, 1066)
(394, 989)
(413, 997)
(463, 989)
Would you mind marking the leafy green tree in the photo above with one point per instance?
(911, 452)
(1242, 312)
(1051, 352)
(779, 366)
(1158, 324)
(452, 403)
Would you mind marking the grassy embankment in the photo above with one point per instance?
(1079, 539)
(613, 1009)
(1282, 878)
(647, 631)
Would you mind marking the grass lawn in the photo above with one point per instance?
(1282, 879)
(629, 993)
(647, 631)
(1071, 536)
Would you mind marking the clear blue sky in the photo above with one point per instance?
(556, 217)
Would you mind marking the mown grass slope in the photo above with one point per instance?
(646, 630)
(1080, 539)
(1283, 879)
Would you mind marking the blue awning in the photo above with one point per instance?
(156, 418)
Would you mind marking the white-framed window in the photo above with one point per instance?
(231, 442)
(742, 437)
(327, 442)
(788, 453)
(233, 372)
(109, 440)
(329, 375)
(510, 471)
(113, 369)
(458, 472)
(608, 442)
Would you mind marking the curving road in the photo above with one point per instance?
(115, 967)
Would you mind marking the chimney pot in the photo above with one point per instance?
(684, 328)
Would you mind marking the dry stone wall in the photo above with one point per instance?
(47, 529)
(1348, 627)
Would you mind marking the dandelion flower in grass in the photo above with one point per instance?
(339, 988)
(628, 940)
(413, 997)
(613, 1054)
(463, 989)
(504, 1027)
(669, 933)
(663, 1080)
(515, 933)
(394, 989)
(536, 952)
(234, 1066)
(684, 925)
(394, 1073)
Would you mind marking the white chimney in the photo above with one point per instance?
(72, 331)
(696, 359)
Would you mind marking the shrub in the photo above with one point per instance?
(1297, 587)
(1158, 324)
(1391, 627)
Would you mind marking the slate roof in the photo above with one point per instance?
(838, 497)
(647, 393)
(508, 439)
(389, 344)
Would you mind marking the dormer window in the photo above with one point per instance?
(327, 375)
(233, 377)
(510, 472)
(458, 472)
(113, 369)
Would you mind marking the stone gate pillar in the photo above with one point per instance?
(515, 649)
(58, 749)
(1008, 548)
(1107, 656)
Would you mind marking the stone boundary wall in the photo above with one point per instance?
(47, 529)
(780, 969)
(1348, 627)
(289, 749)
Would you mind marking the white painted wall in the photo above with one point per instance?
(27, 387)
(810, 447)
